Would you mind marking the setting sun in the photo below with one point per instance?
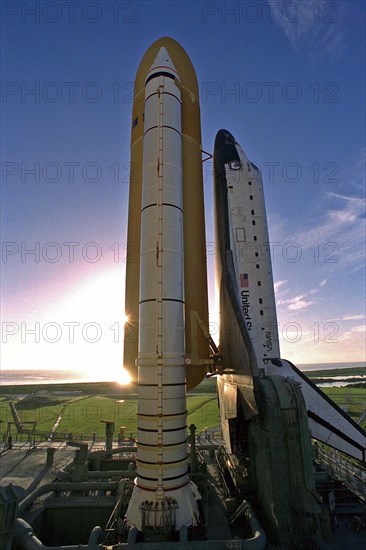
(123, 378)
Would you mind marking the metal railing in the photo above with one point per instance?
(344, 469)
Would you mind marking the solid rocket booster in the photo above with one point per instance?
(194, 241)
(163, 493)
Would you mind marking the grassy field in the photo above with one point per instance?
(352, 400)
(88, 388)
(84, 414)
(331, 373)
(87, 415)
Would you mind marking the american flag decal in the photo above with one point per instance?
(244, 280)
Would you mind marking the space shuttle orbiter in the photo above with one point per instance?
(269, 410)
(247, 302)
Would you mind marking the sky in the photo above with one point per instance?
(287, 79)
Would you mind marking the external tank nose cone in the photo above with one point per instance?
(162, 65)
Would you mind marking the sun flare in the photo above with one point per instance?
(123, 378)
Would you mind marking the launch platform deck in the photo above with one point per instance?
(28, 470)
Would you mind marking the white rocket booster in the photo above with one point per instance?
(163, 492)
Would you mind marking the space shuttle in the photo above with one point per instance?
(247, 301)
(269, 410)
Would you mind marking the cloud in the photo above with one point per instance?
(358, 328)
(356, 317)
(277, 285)
(332, 42)
(344, 197)
(289, 300)
(353, 332)
(316, 25)
(335, 231)
(300, 304)
(295, 304)
(319, 287)
(340, 234)
(343, 216)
